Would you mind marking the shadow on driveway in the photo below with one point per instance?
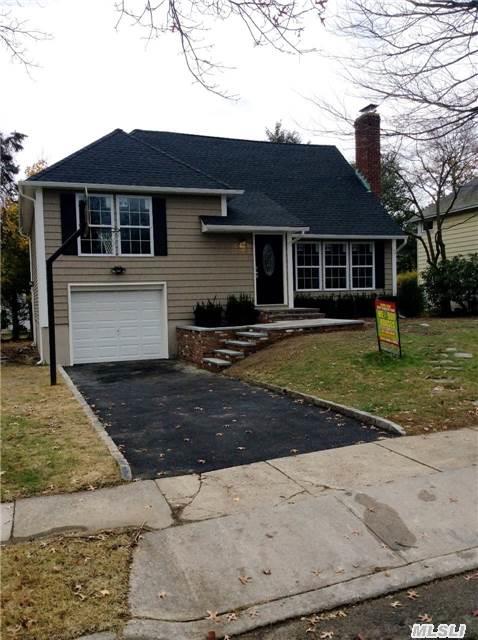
(169, 419)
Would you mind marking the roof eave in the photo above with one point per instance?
(237, 228)
(129, 188)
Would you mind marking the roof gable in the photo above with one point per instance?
(122, 159)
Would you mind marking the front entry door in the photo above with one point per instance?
(269, 269)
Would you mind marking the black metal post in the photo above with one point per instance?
(51, 301)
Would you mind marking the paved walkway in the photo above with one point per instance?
(283, 538)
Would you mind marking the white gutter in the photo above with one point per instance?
(236, 228)
(320, 236)
(128, 187)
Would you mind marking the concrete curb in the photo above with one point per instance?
(124, 468)
(327, 598)
(351, 412)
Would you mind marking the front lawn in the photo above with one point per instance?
(48, 445)
(65, 587)
(429, 389)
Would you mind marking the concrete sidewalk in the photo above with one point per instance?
(275, 563)
(162, 503)
(239, 548)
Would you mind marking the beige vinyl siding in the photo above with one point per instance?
(198, 266)
(460, 233)
(388, 267)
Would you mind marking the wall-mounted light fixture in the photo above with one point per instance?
(243, 244)
(118, 270)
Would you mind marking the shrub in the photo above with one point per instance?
(240, 310)
(454, 280)
(208, 314)
(410, 294)
(346, 306)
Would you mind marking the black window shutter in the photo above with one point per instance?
(160, 227)
(68, 221)
(379, 264)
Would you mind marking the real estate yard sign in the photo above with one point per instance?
(388, 330)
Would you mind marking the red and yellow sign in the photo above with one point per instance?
(388, 331)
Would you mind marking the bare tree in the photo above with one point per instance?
(432, 177)
(275, 23)
(419, 55)
(16, 34)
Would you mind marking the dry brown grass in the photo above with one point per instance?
(48, 444)
(65, 587)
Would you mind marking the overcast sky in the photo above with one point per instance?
(91, 79)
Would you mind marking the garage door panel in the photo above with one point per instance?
(116, 325)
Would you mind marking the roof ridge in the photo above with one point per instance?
(200, 135)
(74, 154)
(183, 162)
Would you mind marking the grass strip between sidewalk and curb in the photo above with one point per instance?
(65, 587)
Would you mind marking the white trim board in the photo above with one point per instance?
(127, 187)
(230, 228)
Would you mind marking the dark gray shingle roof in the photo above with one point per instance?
(253, 209)
(122, 159)
(292, 185)
(314, 183)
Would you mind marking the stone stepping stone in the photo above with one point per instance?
(450, 349)
(463, 354)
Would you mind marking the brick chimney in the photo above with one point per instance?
(367, 146)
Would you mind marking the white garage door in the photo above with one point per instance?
(113, 325)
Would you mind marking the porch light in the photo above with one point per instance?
(118, 270)
(243, 244)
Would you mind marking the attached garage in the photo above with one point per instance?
(111, 324)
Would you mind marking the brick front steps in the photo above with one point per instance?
(216, 349)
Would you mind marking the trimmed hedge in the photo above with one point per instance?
(240, 310)
(347, 306)
(208, 314)
(410, 294)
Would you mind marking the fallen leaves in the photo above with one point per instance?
(266, 572)
(412, 595)
(325, 635)
(232, 617)
(396, 604)
(212, 615)
(424, 617)
(162, 595)
(245, 579)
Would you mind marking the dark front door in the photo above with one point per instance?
(269, 269)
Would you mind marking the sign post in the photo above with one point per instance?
(388, 329)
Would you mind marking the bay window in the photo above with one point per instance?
(308, 266)
(335, 265)
(362, 265)
(120, 225)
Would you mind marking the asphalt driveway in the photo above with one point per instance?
(169, 419)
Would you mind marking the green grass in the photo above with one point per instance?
(346, 367)
(48, 445)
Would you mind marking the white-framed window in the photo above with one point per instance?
(98, 240)
(308, 265)
(335, 265)
(135, 225)
(121, 225)
(362, 265)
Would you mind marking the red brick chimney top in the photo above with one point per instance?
(367, 146)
